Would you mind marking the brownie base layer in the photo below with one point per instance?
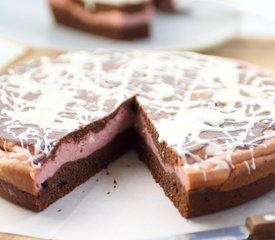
(69, 176)
(65, 17)
(196, 203)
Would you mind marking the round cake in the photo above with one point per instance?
(204, 126)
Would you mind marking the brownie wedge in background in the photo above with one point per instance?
(113, 19)
(123, 19)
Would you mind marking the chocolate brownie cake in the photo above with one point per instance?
(120, 19)
(205, 126)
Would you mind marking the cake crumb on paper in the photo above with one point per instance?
(115, 183)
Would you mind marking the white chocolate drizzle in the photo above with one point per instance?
(194, 101)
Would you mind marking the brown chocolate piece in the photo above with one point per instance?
(165, 5)
(66, 17)
(262, 225)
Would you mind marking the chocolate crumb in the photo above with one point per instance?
(108, 192)
(59, 210)
(115, 183)
(107, 173)
(97, 180)
(83, 191)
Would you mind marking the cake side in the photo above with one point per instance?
(68, 176)
(14, 168)
(204, 200)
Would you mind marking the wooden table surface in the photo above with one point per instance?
(258, 51)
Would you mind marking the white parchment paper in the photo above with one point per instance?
(9, 52)
(135, 209)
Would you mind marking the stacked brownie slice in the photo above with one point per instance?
(119, 19)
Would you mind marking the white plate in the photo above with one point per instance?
(201, 26)
(10, 51)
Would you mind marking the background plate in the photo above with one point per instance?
(200, 26)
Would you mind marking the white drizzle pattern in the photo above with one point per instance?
(57, 105)
(194, 101)
(232, 100)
